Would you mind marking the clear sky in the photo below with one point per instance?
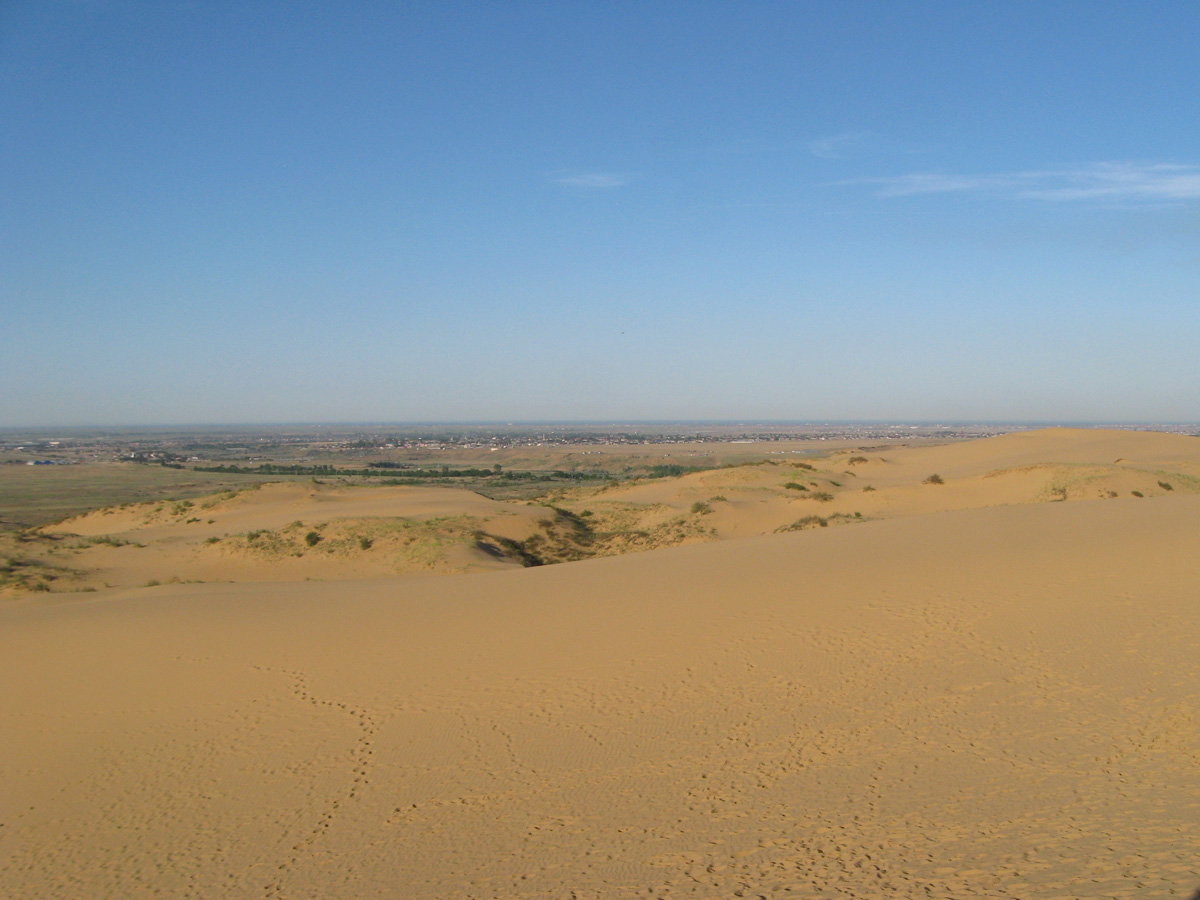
(232, 212)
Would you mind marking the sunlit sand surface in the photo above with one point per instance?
(969, 691)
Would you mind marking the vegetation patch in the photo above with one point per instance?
(101, 540)
(935, 478)
(564, 537)
(803, 523)
(28, 574)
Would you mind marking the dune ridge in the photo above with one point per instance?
(329, 531)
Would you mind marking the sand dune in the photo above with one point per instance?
(259, 535)
(886, 482)
(992, 702)
(264, 534)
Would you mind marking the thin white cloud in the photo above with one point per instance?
(592, 180)
(837, 146)
(927, 183)
(1119, 182)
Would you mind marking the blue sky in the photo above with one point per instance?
(286, 212)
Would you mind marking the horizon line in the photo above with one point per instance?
(615, 423)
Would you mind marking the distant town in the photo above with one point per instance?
(306, 442)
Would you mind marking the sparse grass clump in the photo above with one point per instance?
(700, 508)
(107, 540)
(806, 522)
(868, 489)
(856, 460)
(821, 496)
(110, 541)
(27, 574)
(795, 486)
(935, 478)
(1137, 493)
(1165, 485)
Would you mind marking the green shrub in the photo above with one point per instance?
(312, 538)
(856, 460)
(795, 486)
(1165, 486)
(701, 508)
(1137, 493)
(934, 479)
(364, 543)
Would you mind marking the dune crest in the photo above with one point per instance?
(299, 531)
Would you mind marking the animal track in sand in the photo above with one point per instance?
(360, 756)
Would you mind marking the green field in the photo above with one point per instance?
(38, 495)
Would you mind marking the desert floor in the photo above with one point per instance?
(983, 687)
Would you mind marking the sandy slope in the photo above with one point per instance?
(999, 702)
(407, 529)
(1056, 464)
(369, 532)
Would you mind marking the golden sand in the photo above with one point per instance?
(996, 700)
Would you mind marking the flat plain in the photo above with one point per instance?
(822, 672)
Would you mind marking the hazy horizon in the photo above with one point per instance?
(620, 212)
(607, 424)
